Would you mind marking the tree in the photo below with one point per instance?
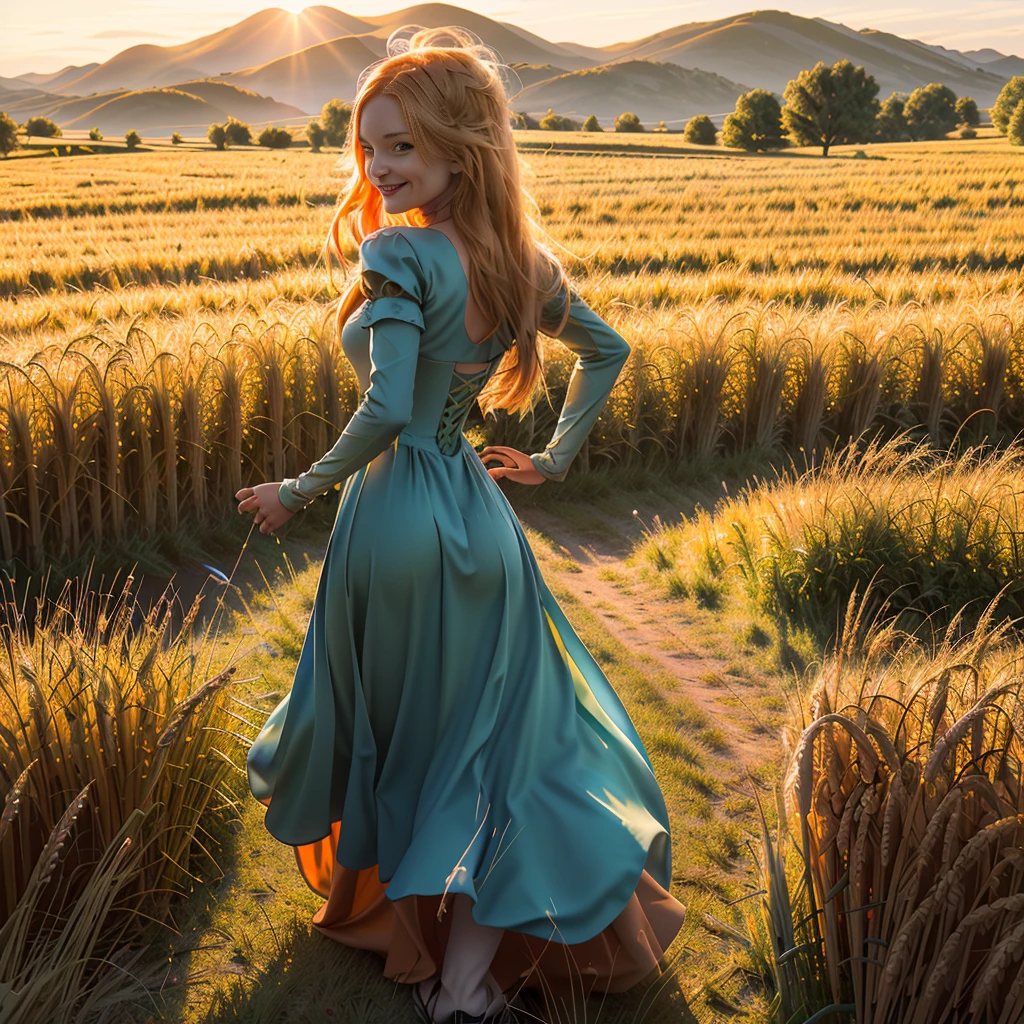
(700, 131)
(43, 127)
(967, 112)
(95, 135)
(660, 127)
(1015, 126)
(131, 137)
(216, 134)
(890, 124)
(175, 139)
(238, 132)
(825, 106)
(335, 118)
(552, 122)
(628, 122)
(275, 138)
(591, 125)
(8, 133)
(315, 135)
(522, 121)
(755, 124)
(931, 111)
(1006, 102)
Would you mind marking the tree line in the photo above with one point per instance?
(826, 106)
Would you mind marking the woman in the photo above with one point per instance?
(456, 774)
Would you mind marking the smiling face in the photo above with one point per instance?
(393, 164)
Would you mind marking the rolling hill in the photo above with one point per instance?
(310, 77)
(188, 107)
(652, 90)
(301, 60)
(768, 48)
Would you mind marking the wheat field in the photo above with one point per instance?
(167, 337)
(166, 331)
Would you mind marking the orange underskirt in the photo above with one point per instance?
(412, 940)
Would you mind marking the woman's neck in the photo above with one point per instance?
(440, 207)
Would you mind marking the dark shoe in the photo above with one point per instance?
(424, 1010)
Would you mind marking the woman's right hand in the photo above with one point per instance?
(515, 465)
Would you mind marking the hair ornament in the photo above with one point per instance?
(458, 37)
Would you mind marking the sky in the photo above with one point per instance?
(46, 35)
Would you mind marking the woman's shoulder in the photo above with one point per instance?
(396, 253)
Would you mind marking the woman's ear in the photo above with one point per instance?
(454, 168)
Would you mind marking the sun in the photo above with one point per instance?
(294, 6)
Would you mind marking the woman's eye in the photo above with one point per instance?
(409, 144)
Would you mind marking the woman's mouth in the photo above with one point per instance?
(390, 190)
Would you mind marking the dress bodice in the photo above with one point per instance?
(443, 395)
(404, 343)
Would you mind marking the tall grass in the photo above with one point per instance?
(936, 535)
(907, 830)
(120, 756)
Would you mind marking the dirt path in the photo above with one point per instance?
(656, 627)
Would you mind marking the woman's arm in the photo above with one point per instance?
(394, 280)
(602, 353)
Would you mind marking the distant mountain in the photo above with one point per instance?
(768, 48)
(57, 78)
(1006, 67)
(531, 74)
(984, 56)
(310, 77)
(301, 60)
(653, 91)
(262, 37)
(187, 107)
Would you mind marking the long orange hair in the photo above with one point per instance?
(455, 106)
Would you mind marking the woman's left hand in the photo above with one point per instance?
(264, 501)
(515, 465)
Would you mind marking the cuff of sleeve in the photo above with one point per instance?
(290, 498)
(544, 464)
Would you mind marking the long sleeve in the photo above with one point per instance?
(602, 353)
(393, 280)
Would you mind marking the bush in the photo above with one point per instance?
(967, 132)
(8, 133)
(591, 125)
(131, 137)
(315, 135)
(275, 138)
(335, 117)
(660, 127)
(755, 124)
(217, 135)
(43, 127)
(95, 135)
(521, 121)
(175, 139)
(931, 111)
(890, 124)
(1015, 127)
(967, 112)
(238, 132)
(628, 122)
(700, 131)
(1006, 103)
(552, 122)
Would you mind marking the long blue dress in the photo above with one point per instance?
(447, 730)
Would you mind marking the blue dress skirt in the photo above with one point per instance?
(447, 730)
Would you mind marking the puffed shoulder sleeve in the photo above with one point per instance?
(602, 352)
(392, 279)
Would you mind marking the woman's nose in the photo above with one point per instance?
(378, 167)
